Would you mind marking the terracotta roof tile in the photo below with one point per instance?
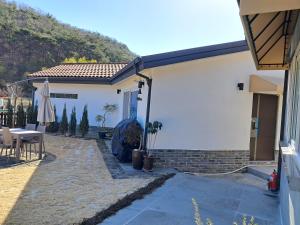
(82, 70)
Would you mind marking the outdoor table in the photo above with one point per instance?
(19, 133)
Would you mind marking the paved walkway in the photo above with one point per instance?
(223, 200)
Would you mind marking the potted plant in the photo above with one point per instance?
(134, 138)
(101, 119)
(153, 129)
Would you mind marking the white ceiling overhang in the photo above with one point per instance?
(269, 25)
(266, 84)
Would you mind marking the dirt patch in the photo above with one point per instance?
(126, 201)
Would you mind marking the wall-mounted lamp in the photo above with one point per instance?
(141, 84)
(118, 91)
(140, 91)
(240, 86)
(139, 98)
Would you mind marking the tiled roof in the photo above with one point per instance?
(81, 70)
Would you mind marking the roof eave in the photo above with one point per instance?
(75, 80)
(163, 59)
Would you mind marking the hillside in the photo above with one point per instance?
(31, 40)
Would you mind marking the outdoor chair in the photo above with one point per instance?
(8, 142)
(34, 141)
(42, 129)
(30, 126)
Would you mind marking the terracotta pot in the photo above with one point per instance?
(137, 159)
(148, 163)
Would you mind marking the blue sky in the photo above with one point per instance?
(151, 26)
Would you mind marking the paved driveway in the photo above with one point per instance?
(223, 200)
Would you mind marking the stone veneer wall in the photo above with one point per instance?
(201, 161)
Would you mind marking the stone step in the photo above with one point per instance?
(263, 172)
(263, 163)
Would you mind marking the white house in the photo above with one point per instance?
(218, 112)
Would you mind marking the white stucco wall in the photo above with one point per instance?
(199, 104)
(95, 96)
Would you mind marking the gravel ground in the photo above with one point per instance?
(73, 183)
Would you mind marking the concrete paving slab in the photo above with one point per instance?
(122, 217)
(161, 218)
(224, 200)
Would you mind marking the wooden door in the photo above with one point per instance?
(263, 127)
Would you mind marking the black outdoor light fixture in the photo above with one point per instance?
(141, 84)
(240, 86)
(140, 91)
(118, 91)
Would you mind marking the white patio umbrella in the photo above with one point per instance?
(45, 111)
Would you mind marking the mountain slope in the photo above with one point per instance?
(30, 40)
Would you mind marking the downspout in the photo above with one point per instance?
(149, 83)
(282, 128)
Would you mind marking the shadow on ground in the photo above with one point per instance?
(74, 182)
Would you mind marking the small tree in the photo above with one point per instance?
(54, 126)
(63, 128)
(153, 129)
(108, 109)
(84, 122)
(10, 114)
(73, 122)
(21, 116)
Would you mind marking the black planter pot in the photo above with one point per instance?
(102, 134)
(148, 163)
(137, 159)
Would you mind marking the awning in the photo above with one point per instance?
(250, 7)
(266, 84)
(268, 27)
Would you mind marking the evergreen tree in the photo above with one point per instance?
(54, 126)
(63, 128)
(21, 116)
(73, 122)
(35, 113)
(10, 114)
(84, 122)
(29, 113)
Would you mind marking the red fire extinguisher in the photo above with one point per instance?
(273, 181)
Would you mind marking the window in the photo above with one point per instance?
(292, 129)
(130, 104)
(63, 95)
(126, 103)
(133, 104)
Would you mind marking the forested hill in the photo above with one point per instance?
(31, 40)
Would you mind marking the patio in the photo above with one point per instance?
(73, 182)
(223, 200)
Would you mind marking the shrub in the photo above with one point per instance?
(10, 114)
(84, 122)
(133, 135)
(63, 128)
(73, 122)
(21, 116)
